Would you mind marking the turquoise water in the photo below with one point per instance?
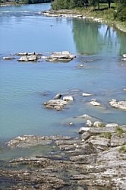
(25, 86)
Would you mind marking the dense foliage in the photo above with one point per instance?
(120, 13)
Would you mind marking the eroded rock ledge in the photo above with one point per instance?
(93, 161)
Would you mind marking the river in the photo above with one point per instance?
(24, 87)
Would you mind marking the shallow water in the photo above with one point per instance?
(25, 86)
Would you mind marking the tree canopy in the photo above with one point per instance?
(120, 13)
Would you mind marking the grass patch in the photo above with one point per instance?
(106, 135)
(122, 149)
(119, 131)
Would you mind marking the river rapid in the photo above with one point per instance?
(24, 87)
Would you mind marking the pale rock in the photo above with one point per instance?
(86, 94)
(112, 125)
(89, 123)
(94, 103)
(118, 104)
(68, 98)
(8, 58)
(83, 129)
(97, 124)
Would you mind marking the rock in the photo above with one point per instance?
(58, 96)
(94, 103)
(84, 159)
(100, 142)
(69, 163)
(68, 98)
(89, 123)
(22, 54)
(124, 55)
(55, 104)
(8, 58)
(85, 116)
(85, 135)
(86, 94)
(28, 58)
(112, 125)
(118, 104)
(83, 129)
(98, 124)
(118, 140)
(60, 56)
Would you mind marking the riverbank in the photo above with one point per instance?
(103, 16)
(97, 16)
(94, 160)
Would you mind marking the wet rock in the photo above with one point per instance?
(118, 104)
(100, 142)
(124, 55)
(95, 103)
(96, 160)
(112, 125)
(86, 94)
(85, 135)
(89, 123)
(56, 104)
(83, 129)
(68, 98)
(27, 58)
(118, 139)
(61, 56)
(85, 116)
(29, 140)
(8, 58)
(84, 159)
(98, 124)
(57, 96)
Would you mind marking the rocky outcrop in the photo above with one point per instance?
(118, 104)
(57, 103)
(60, 56)
(95, 160)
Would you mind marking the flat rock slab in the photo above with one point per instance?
(118, 104)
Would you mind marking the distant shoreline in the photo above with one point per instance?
(76, 13)
(84, 13)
